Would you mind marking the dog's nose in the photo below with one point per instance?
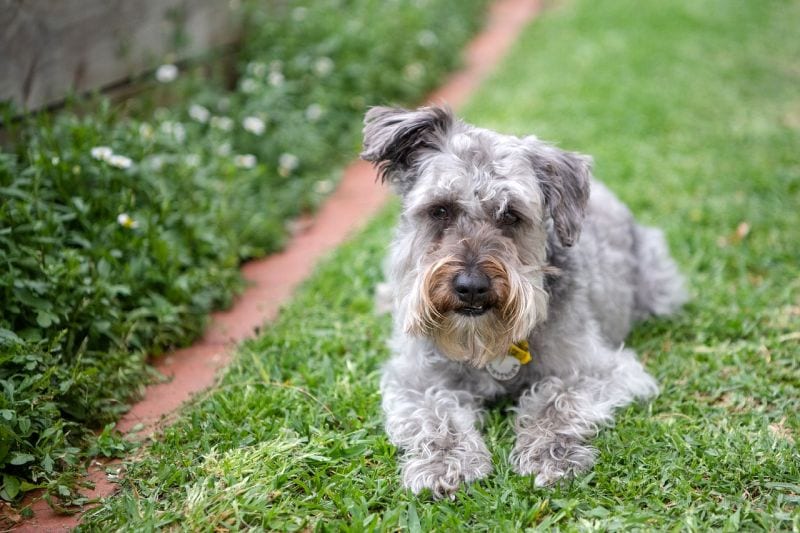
(472, 287)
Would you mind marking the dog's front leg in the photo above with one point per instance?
(557, 416)
(436, 429)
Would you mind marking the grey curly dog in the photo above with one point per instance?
(507, 277)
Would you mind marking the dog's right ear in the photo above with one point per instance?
(393, 136)
(565, 179)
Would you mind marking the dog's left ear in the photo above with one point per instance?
(564, 178)
(393, 136)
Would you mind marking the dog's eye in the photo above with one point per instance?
(508, 218)
(439, 212)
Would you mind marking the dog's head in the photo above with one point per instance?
(469, 258)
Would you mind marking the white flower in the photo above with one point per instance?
(145, 131)
(119, 161)
(314, 112)
(287, 163)
(353, 26)
(323, 66)
(175, 129)
(101, 153)
(299, 14)
(259, 70)
(104, 153)
(275, 78)
(245, 161)
(167, 73)
(249, 85)
(55, 160)
(156, 162)
(224, 149)
(161, 114)
(222, 123)
(427, 38)
(414, 71)
(254, 125)
(179, 132)
(124, 220)
(199, 113)
(192, 160)
(323, 186)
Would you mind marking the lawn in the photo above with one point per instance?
(691, 111)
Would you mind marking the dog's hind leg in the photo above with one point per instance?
(436, 429)
(557, 416)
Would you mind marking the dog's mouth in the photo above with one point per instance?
(472, 310)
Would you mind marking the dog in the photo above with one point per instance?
(513, 274)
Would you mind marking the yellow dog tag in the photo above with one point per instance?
(507, 367)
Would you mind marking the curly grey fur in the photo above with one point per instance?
(570, 271)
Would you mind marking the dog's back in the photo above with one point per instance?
(627, 268)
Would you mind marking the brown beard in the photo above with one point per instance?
(516, 304)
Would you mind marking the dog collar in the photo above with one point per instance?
(505, 368)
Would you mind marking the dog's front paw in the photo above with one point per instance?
(551, 460)
(443, 471)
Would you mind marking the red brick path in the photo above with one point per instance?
(273, 279)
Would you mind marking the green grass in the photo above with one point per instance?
(692, 113)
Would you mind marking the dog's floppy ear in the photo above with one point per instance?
(392, 136)
(564, 178)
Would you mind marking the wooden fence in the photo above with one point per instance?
(49, 48)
